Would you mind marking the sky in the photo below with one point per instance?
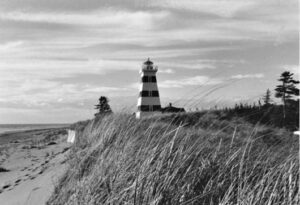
(58, 57)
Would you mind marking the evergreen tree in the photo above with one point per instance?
(103, 106)
(287, 90)
(259, 104)
(267, 98)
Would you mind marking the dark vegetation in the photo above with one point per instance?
(271, 114)
(285, 115)
(42, 138)
(103, 107)
(241, 155)
(52, 143)
(2, 169)
(187, 158)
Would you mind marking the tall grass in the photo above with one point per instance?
(177, 160)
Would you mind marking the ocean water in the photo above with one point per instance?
(6, 128)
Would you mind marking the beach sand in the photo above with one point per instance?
(31, 163)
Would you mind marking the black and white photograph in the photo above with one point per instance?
(149, 102)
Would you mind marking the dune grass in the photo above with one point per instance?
(180, 159)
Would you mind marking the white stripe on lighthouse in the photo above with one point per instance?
(148, 86)
(148, 101)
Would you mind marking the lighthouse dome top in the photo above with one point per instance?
(148, 66)
(148, 62)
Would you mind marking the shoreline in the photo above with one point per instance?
(30, 130)
(23, 134)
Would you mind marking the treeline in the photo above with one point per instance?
(266, 111)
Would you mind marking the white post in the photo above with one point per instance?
(71, 136)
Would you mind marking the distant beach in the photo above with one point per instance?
(10, 128)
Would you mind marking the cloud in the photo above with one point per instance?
(189, 81)
(48, 69)
(8, 46)
(193, 64)
(63, 54)
(221, 8)
(36, 94)
(231, 8)
(107, 17)
(199, 64)
(168, 71)
(241, 76)
(104, 89)
(148, 26)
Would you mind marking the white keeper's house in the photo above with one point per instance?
(148, 100)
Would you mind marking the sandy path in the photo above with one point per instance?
(34, 165)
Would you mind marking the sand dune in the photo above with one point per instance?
(32, 162)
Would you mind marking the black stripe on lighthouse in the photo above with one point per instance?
(149, 108)
(147, 93)
(148, 79)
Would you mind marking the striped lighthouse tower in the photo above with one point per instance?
(148, 101)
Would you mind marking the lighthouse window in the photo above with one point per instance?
(144, 93)
(144, 108)
(145, 79)
(156, 107)
(155, 93)
(153, 79)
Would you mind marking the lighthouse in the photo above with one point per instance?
(148, 100)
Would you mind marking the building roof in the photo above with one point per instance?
(170, 108)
